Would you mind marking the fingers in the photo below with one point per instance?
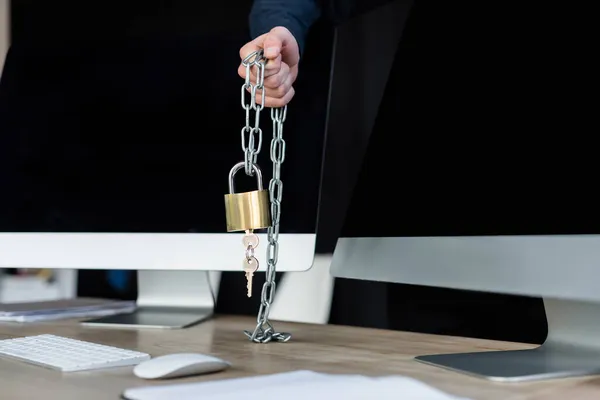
(272, 67)
(278, 88)
(282, 80)
(274, 102)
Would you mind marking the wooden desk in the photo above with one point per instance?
(320, 348)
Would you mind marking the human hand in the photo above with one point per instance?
(281, 69)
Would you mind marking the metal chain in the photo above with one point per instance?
(251, 146)
(264, 331)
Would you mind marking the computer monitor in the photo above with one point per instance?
(448, 197)
(117, 142)
(4, 31)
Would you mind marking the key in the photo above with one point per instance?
(250, 240)
(250, 266)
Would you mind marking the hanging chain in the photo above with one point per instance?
(251, 146)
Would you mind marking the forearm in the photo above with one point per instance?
(295, 15)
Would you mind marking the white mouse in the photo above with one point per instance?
(178, 365)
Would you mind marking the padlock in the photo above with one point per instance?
(249, 210)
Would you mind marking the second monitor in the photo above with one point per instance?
(452, 194)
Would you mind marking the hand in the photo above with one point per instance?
(281, 69)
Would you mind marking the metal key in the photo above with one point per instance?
(250, 266)
(250, 240)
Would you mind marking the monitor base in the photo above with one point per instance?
(154, 317)
(572, 349)
(544, 362)
(167, 300)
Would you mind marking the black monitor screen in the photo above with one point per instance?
(127, 119)
(477, 134)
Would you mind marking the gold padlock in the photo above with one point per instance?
(249, 210)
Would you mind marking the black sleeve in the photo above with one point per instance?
(295, 15)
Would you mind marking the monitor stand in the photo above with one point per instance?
(167, 300)
(571, 349)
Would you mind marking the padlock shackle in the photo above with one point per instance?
(239, 166)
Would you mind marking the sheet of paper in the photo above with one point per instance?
(297, 385)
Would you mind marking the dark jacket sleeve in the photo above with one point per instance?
(295, 15)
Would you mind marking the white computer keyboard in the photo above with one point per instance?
(66, 354)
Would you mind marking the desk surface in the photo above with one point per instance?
(334, 349)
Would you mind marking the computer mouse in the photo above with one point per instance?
(178, 365)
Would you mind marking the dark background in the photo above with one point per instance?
(122, 114)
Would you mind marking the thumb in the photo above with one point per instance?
(273, 45)
(280, 41)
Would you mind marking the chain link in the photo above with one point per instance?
(264, 331)
(252, 145)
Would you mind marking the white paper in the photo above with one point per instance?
(297, 385)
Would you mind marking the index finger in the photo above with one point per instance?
(272, 67)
